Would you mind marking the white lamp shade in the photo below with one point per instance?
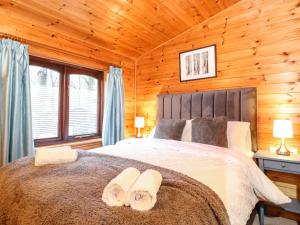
(139, 122)
(282, 129)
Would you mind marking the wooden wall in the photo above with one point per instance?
(126, 27)
(258, 44)
(58, 47)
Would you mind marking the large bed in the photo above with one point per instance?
(230, 182)
(233, 176)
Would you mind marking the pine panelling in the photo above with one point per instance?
(59, 42)
(257, 45)
(129, 28)
(34, 14)
(289, 189)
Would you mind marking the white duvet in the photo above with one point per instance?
(234, 177)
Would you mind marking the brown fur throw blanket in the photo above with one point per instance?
(69, 194)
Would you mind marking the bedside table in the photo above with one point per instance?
(286, 166)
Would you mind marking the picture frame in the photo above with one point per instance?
(197, 64)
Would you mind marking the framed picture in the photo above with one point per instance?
(198, 64)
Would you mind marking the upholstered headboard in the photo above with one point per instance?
(235, 104)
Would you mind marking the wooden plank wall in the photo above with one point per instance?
(60, 48)
(126, 27)
(258, 44)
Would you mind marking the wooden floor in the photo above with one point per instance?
(276, 221)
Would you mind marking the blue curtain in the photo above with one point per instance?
(16, 138)
(114, 113)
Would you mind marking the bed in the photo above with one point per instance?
(230, 182)
(234, 171)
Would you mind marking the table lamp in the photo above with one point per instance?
(282, 129)
(139, 123)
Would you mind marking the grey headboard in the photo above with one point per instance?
(236, 104)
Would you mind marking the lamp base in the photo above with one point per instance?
(139, 133)
(282, 150)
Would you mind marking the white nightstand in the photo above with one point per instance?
(286, 165)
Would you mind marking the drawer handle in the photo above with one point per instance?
(283, 165)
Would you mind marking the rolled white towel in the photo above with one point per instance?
(116, 191)
(143, 194)
(44, 156)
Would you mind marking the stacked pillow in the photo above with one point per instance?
(169, 129)
(216, 131)
(186, 133)
(239, 137)
(211, 131)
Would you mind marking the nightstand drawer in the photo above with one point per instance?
(282, 166)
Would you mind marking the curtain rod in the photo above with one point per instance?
(12, 37)
(25, 41)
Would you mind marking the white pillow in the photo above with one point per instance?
(152, 132)
(187, 131)
(239, 137)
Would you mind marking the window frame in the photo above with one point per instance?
(65, 71)
(91, 73)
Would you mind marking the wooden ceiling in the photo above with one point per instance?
(126, 27)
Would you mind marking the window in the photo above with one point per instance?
(66, 102)
(83, 102)
(45, 85)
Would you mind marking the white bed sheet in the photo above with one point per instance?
(234, 177)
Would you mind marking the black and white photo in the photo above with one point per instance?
(198, 64)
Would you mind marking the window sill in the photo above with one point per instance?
(76, 144)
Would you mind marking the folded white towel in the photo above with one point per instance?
(143, 194)
(44, 156)
(116, 191)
